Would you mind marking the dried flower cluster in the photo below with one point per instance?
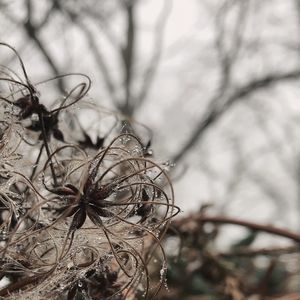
(81, 216)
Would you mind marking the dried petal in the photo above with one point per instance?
(94, 216)
(72, 293)
(66, 190)
(78, 219)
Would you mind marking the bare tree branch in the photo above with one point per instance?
(216, 112)
(100, 60)
(151, 70)
(261, 251)
(128, 57)
(31, 31)
(202, 218)
(228, 54)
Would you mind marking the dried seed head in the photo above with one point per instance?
(77, 217)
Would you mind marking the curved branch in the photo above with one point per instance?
(254, 226)
(239, 94)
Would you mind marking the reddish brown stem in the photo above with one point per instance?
(261, 251)
(266, 228)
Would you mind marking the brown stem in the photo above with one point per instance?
(259, 227)
(233, 221)
(262, 251)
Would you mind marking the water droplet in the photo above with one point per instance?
(163, 278)
(149, 152)
(3, 235)
(19, 248)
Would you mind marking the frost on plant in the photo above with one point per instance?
(83, 209)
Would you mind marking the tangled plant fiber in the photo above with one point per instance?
(80, 217)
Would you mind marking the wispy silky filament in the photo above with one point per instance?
(78, 216)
